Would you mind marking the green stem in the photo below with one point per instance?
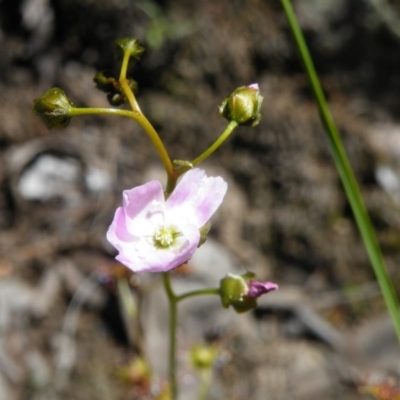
(161, 150)
(124, 65)
(173, 319)
(146, 125)
(124, 84)
(113, 111)
(205, 384)
(346, 173)
(221, 139)
(173, 301)
(130, 96)
(199, 292)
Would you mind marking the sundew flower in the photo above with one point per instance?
(152, 234)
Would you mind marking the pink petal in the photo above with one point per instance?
(254, 86)
(117, 231)
(197, 197)
(256, 289)
(137, 200)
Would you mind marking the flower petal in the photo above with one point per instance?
(148, 220)
(196, 197)
(256, 289)
(117, 231)
(142, 256)
(254, 86)
(138, 200)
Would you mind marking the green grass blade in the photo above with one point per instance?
(346, 173)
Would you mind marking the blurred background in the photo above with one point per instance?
(64, 331)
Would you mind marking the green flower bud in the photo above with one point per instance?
(243, 106)
(203, 357)
(104, 83)
(131, 45)
(137, 372)
(54, 108)
(241, 292)
(233, 290)
(111, 86)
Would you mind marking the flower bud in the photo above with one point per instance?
(131, 45)
(243, 106)
(203, 357)
(104, 83)
(54, 108)
(111, 86)
(137, 372)
(117, 96)
(241, 291)
(233, 289)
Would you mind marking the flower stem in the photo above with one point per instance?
(113, 111)
(173, 319)
(124, 65)
(149, 129)
(130, 96)
(205, 384)
(158, 144)
(199, 292)
(346, 173)
(173, 301)
(144, 122)
(221, 139)
(124, 84)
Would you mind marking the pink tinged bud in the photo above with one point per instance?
(254, 86)
(243, 106)
(241, 291)
(257, 289)
(152, 234)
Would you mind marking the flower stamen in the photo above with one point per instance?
(165, 237)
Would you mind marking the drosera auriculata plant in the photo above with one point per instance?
(135, 230)
(156, 229)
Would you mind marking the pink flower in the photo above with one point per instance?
(152, 234)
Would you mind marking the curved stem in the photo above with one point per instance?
(124, 84)
(145, 123)
(199, 292)
(346, 173)
(221, 139)
(159, 145)
(173, 320)
(130, 96)
(148, 128)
